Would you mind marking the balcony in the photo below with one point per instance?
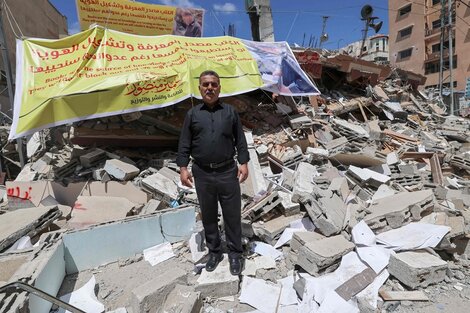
(436, 55)
(431, 32)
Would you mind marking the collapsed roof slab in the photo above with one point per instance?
(75, 251)
(25, 222)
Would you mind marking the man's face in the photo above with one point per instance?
(209, 86)
(187, 18)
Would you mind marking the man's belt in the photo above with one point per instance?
(216, 165)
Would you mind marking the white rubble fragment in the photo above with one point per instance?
(288, 294)
(159, 253)
(413, 236)
(370, 293)
(197, 246)
(83, 298)
(264, 249)
(334, 303)
(362, 234)
(260, 294)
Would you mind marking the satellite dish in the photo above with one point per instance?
(377, 26)
(366, 11)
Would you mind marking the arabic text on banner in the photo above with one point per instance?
(102, 72)
(140, 18)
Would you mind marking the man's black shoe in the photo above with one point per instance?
(236, 266)
(213, 261)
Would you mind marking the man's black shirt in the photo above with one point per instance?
(211, 135)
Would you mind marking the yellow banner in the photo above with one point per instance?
(140, 18)
(102, 72)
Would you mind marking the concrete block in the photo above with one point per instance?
(392, 158)
(300, 121)
(162, 184)
(183, 299)
(375, 132)
(150, 296)
(339, 185)
(367, 176)
(317, 255)
(334, 213)
(269, 231)
(299, 239)
(121, 170)
(92, 158)
(357, 129)
(219, 283)
(417, 268)
(256, 178)
(288, 207)
(303, 180)
(152, 206)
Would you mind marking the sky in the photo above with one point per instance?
(295, 21)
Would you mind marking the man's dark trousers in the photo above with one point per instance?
(213, 185)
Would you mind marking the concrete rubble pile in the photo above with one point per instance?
(357, 201)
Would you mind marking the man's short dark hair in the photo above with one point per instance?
(209, 73)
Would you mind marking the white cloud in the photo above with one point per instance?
(179, 3)
(74, 28)
(227, 7)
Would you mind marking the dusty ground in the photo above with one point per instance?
(117, 280)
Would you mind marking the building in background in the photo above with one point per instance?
(415, 30)
(261, 19)
(38, 18)
(375, 49)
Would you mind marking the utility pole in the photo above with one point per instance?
(323, 36)
(451, 59)
(441, 49)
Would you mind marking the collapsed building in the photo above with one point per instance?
(357, 201)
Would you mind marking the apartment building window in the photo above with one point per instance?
(436, 24)
(437, 47)
(434, 2)
(404, 54)
(405, 10)
(406, 32)
(433, 67)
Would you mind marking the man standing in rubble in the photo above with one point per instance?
(211, 134)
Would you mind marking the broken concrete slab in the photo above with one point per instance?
(95, 210)
(417, 268)
(299, 239)
(151, 296)
(183, 299)
(303, 178)
(121, 170)
(116, 189)
(334, 213)
(25, 222)
(219, 283)
(162, 184)
(339, 185)
(367, 176)
(270, 230)
(288, 207)
(317, 255)
(398, 209)
(264, 205)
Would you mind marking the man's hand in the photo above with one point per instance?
(242, 172)
(185, 177)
